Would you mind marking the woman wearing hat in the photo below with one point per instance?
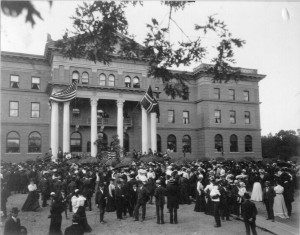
(32, 201)
(200, 196)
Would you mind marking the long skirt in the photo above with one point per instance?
(200, 203)
(32, 202)
(55, 225)
(256, 192)
(83, 220)
(279, 207)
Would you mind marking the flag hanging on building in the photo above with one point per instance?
(149, 102)
(66, 94)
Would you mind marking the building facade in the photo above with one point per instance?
(218, 119)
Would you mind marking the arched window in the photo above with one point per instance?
(102, 79)
(111, 80)
(103, 143)
(234, 143)
(85, 78)
(219, 143)
(171, 143)
(136, 82)
(34, 142)
(75, 76)
(126, 142)
(127, 81)
(158, 141)
(248, 143)
(76, 141)
(186, 144)
(13, 142)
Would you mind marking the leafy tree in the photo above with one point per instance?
(115, 145)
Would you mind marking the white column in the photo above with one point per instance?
(94, 102)
(66, 128)
(54, 129)
(149, 131)
(120, 122)
(153, 132)
(144, 131)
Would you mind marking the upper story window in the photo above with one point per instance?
(85, 78)
(231, 94)
(35, 83)
(246, 96)
(156, 93)
(217, 94)
(127, 81)
(35, 110)
(102, 79)
(13, 108)
(13, 142)
(171, 116)
(232, 117)
(14, 81)
(217, 116)
(75, 77)
(247, 117)
(111, 80)
(136, 82)
(186, 117)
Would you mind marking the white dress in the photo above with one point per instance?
(256, 192)
(279, 206)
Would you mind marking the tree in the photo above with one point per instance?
(115, 145)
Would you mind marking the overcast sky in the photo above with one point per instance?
(272, 43)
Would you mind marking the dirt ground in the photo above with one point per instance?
(189, 222)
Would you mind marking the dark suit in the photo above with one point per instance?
(74, 229)
(159, 195)
(249, 213)
(119, 199)
(268, 199)
(173, 194)
(100, 199)
(142, 198)
(11, 227)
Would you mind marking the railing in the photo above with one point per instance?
(101, 121)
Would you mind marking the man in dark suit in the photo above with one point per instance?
(268, 199)
(13, 224)
(173, 195)
(159, 195)
(119, 200)
(75, 228)
(142, 198)
(249, 213)
(100, 200)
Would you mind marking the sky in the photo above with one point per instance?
(271, 31)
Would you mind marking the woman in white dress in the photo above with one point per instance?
(279, 206)
(257, 190)
(32, 201)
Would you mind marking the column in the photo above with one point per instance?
(54, 129)
(149, 131)
(120, 121)
(144, 131)
(153, 132)
(66, 127)
(93, 102)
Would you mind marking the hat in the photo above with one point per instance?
(76, 190)
(15, 210)
(158, 181)
(52, 193)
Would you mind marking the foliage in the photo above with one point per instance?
(282, 145)
(115, 145)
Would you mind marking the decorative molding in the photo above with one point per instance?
(25, 124)
(120, 103)
(94, 101)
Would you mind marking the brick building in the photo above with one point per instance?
(218, 119)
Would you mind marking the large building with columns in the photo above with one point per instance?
(217, 119)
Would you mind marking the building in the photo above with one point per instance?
(218, 119)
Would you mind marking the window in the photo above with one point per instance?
(232, 117)
(248, 143)
(13, 142)
(76, 142)
(186, 144)
(127, 81)
(233, 143)
(14, 81)
(35, 110)
(171, 143)
(111, 80)
(136, 82)
(246, 96)
(156, 93)
(85, 78)
(34, 142)
(186, 117)
(13, 108)
(247, 117)
(217, 93)
(171, 118)
(231, 94)
(35, 83)
(217, 116)
(75, 76)
(219, 143)
(102, 79)
(158, 141)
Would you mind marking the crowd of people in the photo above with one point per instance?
(218, 188)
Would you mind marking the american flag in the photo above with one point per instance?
(149, 102)
(66, 94)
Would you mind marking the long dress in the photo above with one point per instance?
(82, 215)
(57, 208)
(257, 190)
(279, 206)
(32, 201)
(200, 198)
